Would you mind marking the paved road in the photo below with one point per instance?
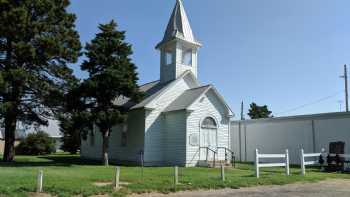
(328, 188)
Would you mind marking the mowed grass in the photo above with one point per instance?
(66, 175)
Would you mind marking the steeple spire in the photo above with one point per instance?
(179, 26)
(178, 49)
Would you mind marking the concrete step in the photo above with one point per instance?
(210, 164)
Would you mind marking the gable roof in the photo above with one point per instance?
(221, 98)
(148, 101)
(187, 98)
(152, 91)
(149, 89)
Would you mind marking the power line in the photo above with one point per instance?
(311, 103)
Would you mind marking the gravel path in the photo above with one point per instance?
(328, 188)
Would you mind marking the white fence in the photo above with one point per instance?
(303, 161)
(259, 165)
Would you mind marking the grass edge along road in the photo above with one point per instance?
(67, 175)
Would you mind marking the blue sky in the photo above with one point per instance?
(282, 53)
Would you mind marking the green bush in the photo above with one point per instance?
(38, 143)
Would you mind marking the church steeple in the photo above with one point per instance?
(178, 47)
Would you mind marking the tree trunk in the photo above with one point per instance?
(10, 137)
(105, 139)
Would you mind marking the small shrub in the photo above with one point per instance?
(38, 143)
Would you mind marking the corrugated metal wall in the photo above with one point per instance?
(274, 135)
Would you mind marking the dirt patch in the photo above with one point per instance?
(103, 184)
(328, 188)
(100, 196)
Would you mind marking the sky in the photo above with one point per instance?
(287, 54)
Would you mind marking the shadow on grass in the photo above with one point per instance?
(49, 160)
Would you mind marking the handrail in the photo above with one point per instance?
(212, 150)
(209, 149)
(231, 151)
(233, 157)
(216, 152)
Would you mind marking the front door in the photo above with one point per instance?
(208, 139)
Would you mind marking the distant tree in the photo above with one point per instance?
(111, 75)
(38, 143)
(257, 112)
(37, 41)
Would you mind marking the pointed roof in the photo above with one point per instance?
(190, 96)
(187, 98)
(179, 26)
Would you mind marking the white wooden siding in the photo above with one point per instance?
(90, 151)
(134, 139)
(128, 154)
(155, 127)
(175, 138)
(213, 107)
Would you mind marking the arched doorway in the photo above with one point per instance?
(208, 139)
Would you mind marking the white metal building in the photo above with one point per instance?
(275, 135)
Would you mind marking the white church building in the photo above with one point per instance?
(180, 121)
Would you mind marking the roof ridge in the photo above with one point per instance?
(209, 85)
(149, 82)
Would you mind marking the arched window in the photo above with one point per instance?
(209, 123)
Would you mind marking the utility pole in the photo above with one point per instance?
(340, 105)
(346, 88)
(242, 111)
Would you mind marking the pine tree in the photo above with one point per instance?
(37, 41)
(257, 112)
(111, 75)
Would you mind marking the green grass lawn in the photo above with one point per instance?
(66, 175)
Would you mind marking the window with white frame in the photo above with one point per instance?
(168, 58)
(209, 123)
(187, 57)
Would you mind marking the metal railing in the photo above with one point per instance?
(207, 154)
(229, 151)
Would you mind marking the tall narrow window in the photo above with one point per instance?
(92, 136)
(168, 58)
(124, 135)
(187, 57)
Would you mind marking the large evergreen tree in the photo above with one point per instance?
(257, 112)
(111, 75)
(37, 41)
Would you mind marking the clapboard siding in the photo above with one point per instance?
(116, 152)
(91, 150)
(213, 107)
(155, 127)
(134, 140)
(175, 138)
